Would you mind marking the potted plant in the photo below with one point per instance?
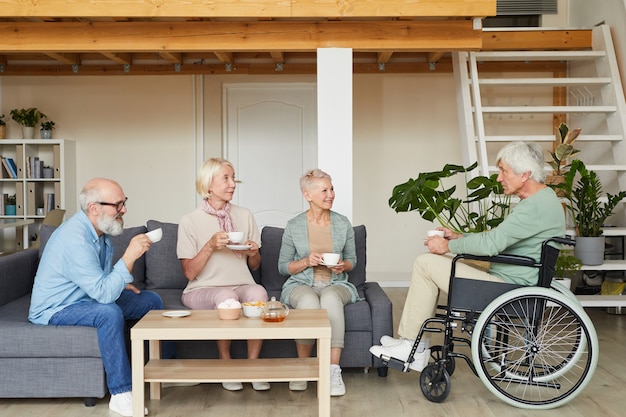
(584, 203)
(566, 265)
(3, 127)
(10, 206)
(28, 119)
(480, 204)
(46, 129)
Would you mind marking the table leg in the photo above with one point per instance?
(323, 384)
(138, 378)
(154, 349)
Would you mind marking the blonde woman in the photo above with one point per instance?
(215, 272)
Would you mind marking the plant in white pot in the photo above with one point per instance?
(46, 129)
(584, 201)
(28, 119)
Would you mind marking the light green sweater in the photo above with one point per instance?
(295, 246)
(531, 222)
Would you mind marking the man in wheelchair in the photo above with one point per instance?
(537, 217)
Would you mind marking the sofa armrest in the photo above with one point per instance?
(382, 314)
(17, 274)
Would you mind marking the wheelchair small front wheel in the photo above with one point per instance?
(436, 352)
(435, 383)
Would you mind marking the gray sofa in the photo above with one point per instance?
(49, 361)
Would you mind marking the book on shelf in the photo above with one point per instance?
(12, 167)
(48, 204)
(6, 170)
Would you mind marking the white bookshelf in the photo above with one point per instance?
(32, 192)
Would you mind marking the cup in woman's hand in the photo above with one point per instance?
(330, 258)
(436, 233)
(235, 237)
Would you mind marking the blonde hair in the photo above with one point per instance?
(209, 169)
(309, 177)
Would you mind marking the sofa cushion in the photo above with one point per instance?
(17, 273)
(163, 268)
(22, 339)
(120, 243)
(271, 240)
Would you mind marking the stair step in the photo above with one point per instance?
(551, 138)
(538, 55)
(544, 81)
(549, 109)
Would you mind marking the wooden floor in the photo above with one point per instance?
(369, 395)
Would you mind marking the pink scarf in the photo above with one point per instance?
(223, 218)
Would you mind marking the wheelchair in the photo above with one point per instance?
(533, 347)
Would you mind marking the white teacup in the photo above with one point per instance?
(331, 258)
(155, 235)
(436, 233)
(235, 237)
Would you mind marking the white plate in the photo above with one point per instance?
(177, 313)
(238, 247)
(329, 265)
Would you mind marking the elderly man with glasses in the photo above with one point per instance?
(78, 285)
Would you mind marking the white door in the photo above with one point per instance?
(271, 138)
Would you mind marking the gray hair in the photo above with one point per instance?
(89, 194)
(524, 157)
(309, 177)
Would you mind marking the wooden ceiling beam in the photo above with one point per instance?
(174, 58)
(124, 59)
(257, 8)
(224, 57)
(425, 36)
(536, 40)
(68, 59)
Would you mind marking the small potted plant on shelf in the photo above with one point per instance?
(3, 127)
(28, 119)
(566, 266)
(589, 209)
(10, 206)
(46, 129)
(478, 206)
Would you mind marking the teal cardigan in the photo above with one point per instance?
(295, 246)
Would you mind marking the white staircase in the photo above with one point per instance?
(582, 88)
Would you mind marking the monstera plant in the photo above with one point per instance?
(478, 205)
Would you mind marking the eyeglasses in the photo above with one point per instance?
(119, 206)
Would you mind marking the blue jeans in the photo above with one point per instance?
(110, 319)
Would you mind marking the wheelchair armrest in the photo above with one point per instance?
(501, 258)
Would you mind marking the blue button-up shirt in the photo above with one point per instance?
(72, 270)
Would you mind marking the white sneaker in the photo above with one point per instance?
(232, 386)
(298, 385)
(122, 404)
(390, 341)
(261, 386)
(401, 352)
(337, 387)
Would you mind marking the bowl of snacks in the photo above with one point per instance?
(253, 309)
(229, 309)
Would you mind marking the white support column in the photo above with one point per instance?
(334, 122)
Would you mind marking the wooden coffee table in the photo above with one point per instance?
(205, 325)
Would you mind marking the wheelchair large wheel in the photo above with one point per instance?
(534, 348)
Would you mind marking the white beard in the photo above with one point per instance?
(110, 225)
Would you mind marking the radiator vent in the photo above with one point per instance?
(525, 7)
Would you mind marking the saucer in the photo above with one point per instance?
(238, 247)
(330, 265)
(177, 313)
